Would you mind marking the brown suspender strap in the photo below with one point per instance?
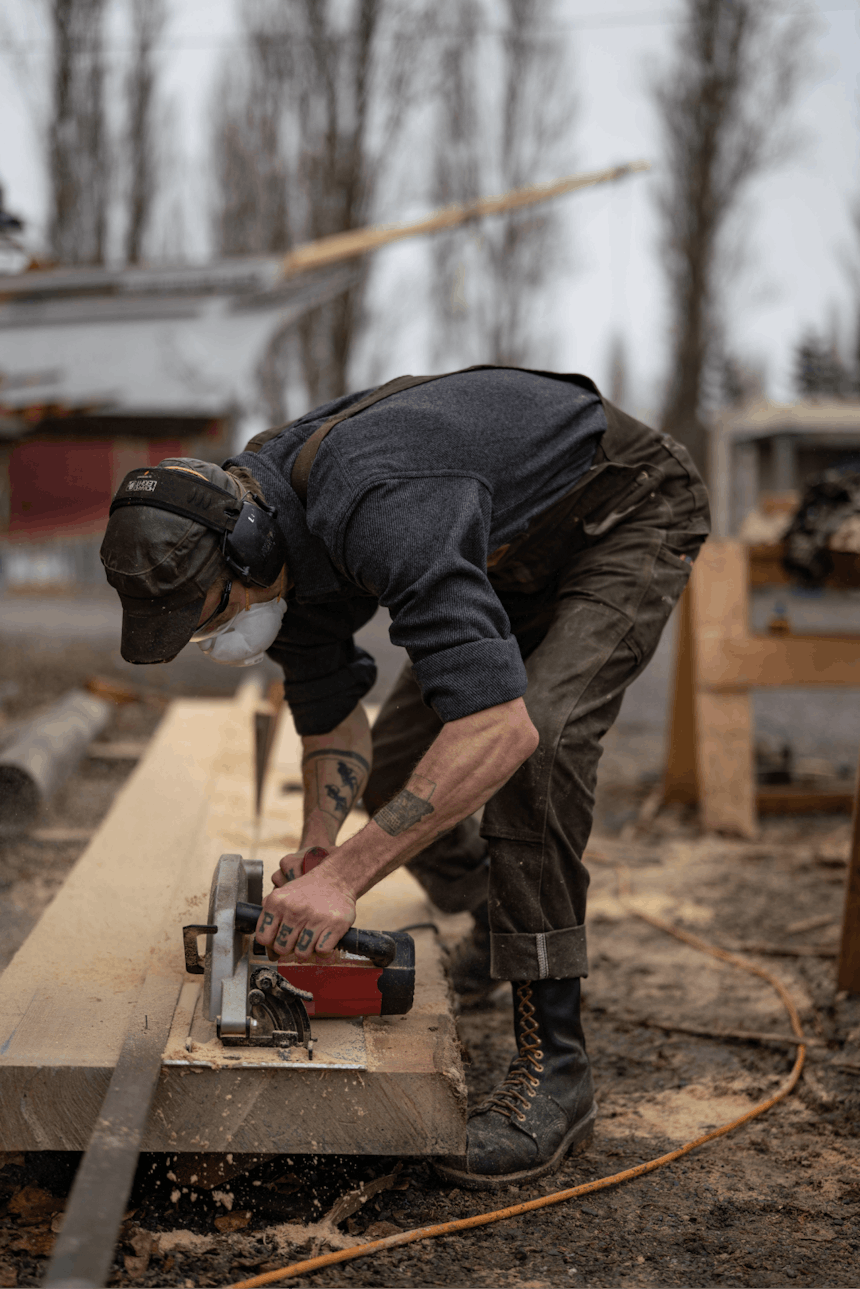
(307, 455)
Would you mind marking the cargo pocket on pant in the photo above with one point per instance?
(671, 573)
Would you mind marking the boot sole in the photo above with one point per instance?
(576, 1139)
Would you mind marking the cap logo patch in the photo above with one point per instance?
(141, 485)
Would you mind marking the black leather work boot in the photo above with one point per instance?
(545, 1105)
(468, 963)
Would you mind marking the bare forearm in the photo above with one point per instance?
(335, 770)
(466, 764)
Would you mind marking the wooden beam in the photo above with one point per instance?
(766, 568)
(680, 778)
(789, 799)
(725, 769)
(359, 241)
(385, 1085)
(764, 662)
(848, 972)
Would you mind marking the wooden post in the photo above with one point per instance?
(680, 779)
(848, 976)
(710, 755)
(725, 770)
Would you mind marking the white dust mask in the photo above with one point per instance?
(243, 641)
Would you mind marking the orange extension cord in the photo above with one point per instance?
(587, 1188)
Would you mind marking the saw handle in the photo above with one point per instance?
(375, 945)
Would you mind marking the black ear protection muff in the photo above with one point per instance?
(252, 544)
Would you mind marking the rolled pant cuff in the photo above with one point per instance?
(561, 955)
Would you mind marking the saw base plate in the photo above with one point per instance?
(339, 1043)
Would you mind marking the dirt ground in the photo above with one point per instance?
(777, 1202)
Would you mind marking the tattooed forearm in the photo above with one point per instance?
(409, 807)
(340, 777)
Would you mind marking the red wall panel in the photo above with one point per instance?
(160, 449)
(55, 485)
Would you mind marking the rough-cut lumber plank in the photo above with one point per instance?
(408, 1098)
(66, 998)
(727, 800)
(848, 975)
(768, 661)
(766, 567)
(719, 583)
(358, 241)
(680, 779)
(788, 799)
(92, 943)
(723, 721)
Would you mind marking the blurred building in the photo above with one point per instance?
(103, 370)
(768, 450)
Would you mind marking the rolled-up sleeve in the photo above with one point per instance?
(325, 673)
(420, 544)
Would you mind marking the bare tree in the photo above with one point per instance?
(617, 369)
(251, 163)
(722, 107)
(854, 273)
(488, 276)
(336, 174)
(303, 135)
(148, 21)
(78, 152)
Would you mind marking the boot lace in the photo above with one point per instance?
(512, 1095)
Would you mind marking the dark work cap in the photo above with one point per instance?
(162, 564)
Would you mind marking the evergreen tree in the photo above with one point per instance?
(819, 371)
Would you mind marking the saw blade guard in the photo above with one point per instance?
(225, 978)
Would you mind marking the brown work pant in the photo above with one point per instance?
(584, 641)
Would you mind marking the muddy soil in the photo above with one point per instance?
(777, 1202)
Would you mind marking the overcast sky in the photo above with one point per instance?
(798, 236)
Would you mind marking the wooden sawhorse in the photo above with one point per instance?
(710, 759)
